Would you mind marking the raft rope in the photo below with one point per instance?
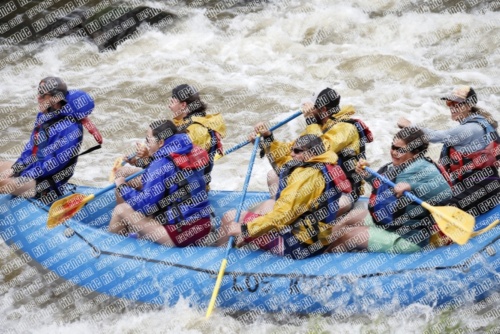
(348, 277)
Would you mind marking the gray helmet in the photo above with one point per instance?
(53, 86)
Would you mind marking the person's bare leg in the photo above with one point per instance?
(119, 198)
(6, 172)
(126, 219)
(18, 186)
(117, 224)
(342, 230)
(272, 183)
(356, 238)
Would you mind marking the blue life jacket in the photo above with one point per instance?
(174, 190)
(51, 154)
(383, 203)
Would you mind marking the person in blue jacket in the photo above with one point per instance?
(49, 158)
(170, 204)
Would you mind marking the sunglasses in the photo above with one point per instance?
(452, 103)
(397, 148)
(149, 140)
(297, 150)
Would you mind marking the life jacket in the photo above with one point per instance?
(39, 137)
(215, 148)
(215, 144)
(327, 205)
(185, 199)
(461, 165)
(348, 157)
(385, 208)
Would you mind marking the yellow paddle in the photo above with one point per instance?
(67, 207)
(457, 224)
(223, 265)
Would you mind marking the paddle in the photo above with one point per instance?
(231, 239)
(453, 222)
(276, 126)
(119, 162)
(67, 207)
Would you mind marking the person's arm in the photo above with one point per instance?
(153, 190)
(442, 136)
(23, 161)
(295, 199)
(278, 154)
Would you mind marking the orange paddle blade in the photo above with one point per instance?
(118, 163)
(65, 208)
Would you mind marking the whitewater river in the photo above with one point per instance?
(387, 58)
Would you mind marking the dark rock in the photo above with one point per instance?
(105, 23)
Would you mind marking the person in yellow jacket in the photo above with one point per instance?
(307, 200)
(344, 135)
(189, 115)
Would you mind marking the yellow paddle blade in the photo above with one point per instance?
(65, 208)
(457, 224)
(216, 288)
(118, 163)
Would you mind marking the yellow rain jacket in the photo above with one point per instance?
(305, 185)
(198, 129)
(336, 134)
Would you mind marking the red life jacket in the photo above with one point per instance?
(348, 158)
(460, 165)
(196, 159)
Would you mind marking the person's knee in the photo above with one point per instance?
(345, 204)
(120, 210)
(229, 216)
(356, 238)
(119, 226)
(272, 176)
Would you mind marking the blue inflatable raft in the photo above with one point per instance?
(90, 259)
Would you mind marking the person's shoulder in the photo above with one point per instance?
(423, 166)
(163, 164)
(197, 126)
